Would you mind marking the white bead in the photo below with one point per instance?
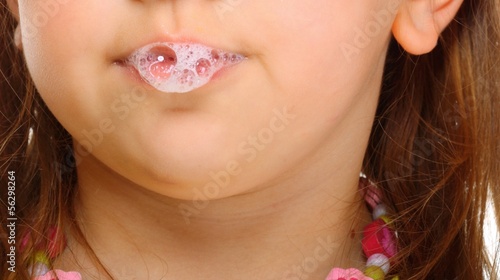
(379, 260)
(378, 211)
(38, 269)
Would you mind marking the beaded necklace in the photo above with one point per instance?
(379, 240)
(379, 245)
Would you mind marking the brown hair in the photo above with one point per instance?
(434, 149)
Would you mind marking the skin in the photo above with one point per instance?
(145, 189)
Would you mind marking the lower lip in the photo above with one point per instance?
(134, 75)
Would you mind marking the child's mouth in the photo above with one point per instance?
(180, 67)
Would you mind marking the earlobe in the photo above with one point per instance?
(18, 40)
(419, 23)
(14, 8)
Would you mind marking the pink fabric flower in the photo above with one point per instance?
(346, 274)
(61, 275)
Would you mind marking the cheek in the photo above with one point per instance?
(56, 37)
(303, 52)
(62, 43)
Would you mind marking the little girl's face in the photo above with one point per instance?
(306, 92)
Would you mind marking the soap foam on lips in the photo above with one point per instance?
(180, 67)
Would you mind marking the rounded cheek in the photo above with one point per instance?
(304, 53)
(62, 47)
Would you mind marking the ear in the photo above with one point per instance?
(14, 8)
(419, 23)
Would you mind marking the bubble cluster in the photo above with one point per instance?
(180, 67)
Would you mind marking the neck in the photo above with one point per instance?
(294, 228)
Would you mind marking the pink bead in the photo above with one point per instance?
(378, 239)
(372, 195)
(55, 246)
(24, 241)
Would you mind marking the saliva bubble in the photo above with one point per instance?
(180, 67)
